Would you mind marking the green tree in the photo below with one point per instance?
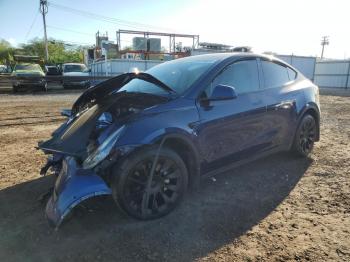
(6, 52)
(59, 52)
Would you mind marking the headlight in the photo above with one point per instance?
(105, 120)
(103, 150)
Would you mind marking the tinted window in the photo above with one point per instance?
(29, 67)
(242, 75)
(182, 73)
(291, 73)
(275, 75)
(75, 68)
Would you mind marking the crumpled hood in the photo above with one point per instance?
(98, 93)
(72, 137)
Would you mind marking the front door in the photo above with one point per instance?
(230, 130)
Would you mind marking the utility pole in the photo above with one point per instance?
(324, 41)
(43, 11)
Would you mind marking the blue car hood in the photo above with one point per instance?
(98, 93)
(72, 138)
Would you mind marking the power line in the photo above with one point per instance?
(105, 18)
(31, 26)
(68, 30)
(71, 42)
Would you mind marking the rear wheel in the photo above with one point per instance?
(144, 196)
(305, 136)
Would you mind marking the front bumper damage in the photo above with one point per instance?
(73, 185)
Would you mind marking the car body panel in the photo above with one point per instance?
(231, 131)
(73, 186)
(246, 112)
(75, 78)
(28, 78)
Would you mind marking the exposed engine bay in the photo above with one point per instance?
(86, 130)
(117, 114)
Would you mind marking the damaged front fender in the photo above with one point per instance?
(73, 186)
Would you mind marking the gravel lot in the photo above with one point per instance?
(276, 209)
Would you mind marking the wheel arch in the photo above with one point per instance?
(311, 109)
(185, 148)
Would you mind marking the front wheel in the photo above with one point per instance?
(44, 87)
(143, 195)
(305, 136)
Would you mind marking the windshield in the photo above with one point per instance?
(179, 75)
(75, 68)
(29, 67)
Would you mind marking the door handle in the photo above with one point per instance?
(284, 105)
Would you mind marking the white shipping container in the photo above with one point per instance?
(120, 66)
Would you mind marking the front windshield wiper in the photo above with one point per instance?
(149, 78)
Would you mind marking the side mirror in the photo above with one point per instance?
(223, 92)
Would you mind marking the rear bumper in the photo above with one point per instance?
(73, 186)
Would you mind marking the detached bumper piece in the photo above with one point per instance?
(72, 186)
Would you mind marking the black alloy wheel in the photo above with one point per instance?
(145, 196)
(305, 136)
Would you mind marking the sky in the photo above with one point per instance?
(283, 27)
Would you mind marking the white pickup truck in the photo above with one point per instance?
(75, 75)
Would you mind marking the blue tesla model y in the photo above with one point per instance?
(144, 138)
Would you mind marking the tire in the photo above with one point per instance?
(44, 88)
(130, 189)
(305, 136)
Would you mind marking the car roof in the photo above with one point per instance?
(238, 55)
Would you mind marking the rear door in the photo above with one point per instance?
(281, 96)
(230, 130)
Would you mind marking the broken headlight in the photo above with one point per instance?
(104, 121)
(103, 150)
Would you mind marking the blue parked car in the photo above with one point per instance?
(145, 138)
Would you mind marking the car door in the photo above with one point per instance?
(281, 96)
(230, 130)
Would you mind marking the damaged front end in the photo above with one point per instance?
(73, 185)
(84, 148)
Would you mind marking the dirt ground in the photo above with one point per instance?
(276, 209)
